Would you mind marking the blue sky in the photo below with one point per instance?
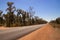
(46, 9)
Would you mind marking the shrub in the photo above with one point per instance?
(55, 23)
(58, 20)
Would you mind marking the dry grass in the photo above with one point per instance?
(45, 33)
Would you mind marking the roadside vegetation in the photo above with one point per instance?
(55, 23)
(19, 17)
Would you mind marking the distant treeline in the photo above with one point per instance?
(18, 17)
(55, 23)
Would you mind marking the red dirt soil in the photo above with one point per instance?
(47, 32)
(3, 28)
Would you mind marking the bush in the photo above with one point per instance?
(55, 23)
(58, 20)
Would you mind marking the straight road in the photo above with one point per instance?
(17, 32)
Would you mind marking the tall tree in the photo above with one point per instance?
(18, 18)
(23, 17)
(31, 14)
(1, 18)
(1, 12)
(10, 13)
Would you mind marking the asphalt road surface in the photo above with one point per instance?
(17, 32)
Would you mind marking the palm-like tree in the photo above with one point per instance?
(10, 8)
(10, 13)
